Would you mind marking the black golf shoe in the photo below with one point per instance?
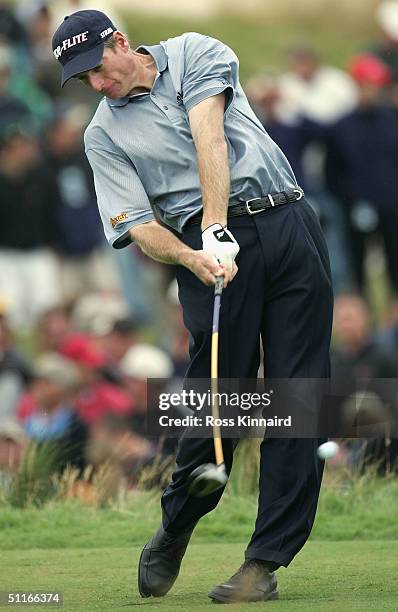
(160, 562)
(252, 582)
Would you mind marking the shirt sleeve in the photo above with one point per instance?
(121, 197)
(210, 68)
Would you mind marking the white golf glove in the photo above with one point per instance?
(219, 241)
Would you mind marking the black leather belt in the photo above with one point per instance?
(256, 205)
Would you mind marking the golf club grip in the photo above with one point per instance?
(214, 370)
(219, 285)
(217, 302)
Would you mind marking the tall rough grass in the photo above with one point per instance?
(39, 480)
(33, 483)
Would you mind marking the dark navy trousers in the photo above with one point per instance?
(283, 295)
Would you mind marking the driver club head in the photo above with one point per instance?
(206, 479)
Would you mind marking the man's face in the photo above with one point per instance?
(351, 320)
(304, 65)
(47, 394)
(117, 344)
(370, 95)
(22, 150)
(114, 77)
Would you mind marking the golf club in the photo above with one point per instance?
(210, 477)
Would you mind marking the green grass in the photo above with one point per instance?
(324, 577)
(349, 509)
(92, 554)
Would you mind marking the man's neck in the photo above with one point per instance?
(146, 74)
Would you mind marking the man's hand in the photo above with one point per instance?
(160, 244)
(218, 241)
(206, 268)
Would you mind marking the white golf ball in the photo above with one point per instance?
(327, 450)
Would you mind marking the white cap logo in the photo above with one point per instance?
(70, 42)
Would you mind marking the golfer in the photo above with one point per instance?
(184, 169)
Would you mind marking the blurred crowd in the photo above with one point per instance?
(339, 131)
(85, 389)
(82, 327)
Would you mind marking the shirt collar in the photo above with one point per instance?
(159, 55)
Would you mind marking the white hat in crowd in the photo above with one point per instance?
(12, 430)
(58, 370)
(387, 18)
(144, 361)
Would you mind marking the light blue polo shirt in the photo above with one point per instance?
(141, 148)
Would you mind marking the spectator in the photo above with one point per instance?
(362, 168)
(54, 327)
(355, 351)
(387, 49)
(15, 372)
(140, 363)
(115, 338)
(97, 397)
(113, 442)
(47, 409)
(13, 33)
(310, 89)
(10, 107)
(265, 96)
(29, 279)
(37, 19)
(93, 311)
(84, 255)
(21, 83)
(358, 360)
(314, 95)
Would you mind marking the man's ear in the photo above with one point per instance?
(122, 41)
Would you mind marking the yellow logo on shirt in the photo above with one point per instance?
(116, 220)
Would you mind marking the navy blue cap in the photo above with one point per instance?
(78, 44)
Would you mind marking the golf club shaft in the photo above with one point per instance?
(214, 370)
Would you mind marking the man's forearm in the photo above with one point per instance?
(213, 167)
(207, 126)
(160, 244)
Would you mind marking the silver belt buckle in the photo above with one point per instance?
(249, 210)
(300, 192)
